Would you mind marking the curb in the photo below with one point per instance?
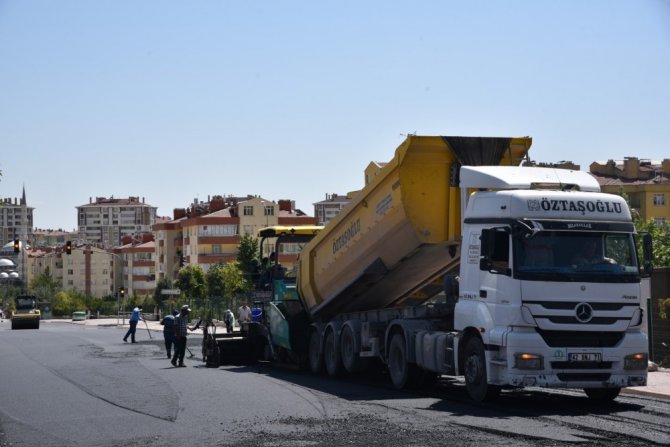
(644, 393)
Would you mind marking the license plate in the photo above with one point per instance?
(584, 357)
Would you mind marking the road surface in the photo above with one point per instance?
(74, 385)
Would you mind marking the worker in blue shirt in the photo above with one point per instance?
(135, 317)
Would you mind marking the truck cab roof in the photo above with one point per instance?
(517, 177)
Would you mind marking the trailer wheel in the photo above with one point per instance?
(476, 380)
(602, 394)
(350, 358)
(315, 356)
(397, 362)
(331, 356)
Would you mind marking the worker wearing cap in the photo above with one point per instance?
(180, 331)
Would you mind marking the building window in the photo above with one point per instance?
(660, 221)
(248, 210)
(269, 210)
(659, 199)
(248, 230)
(216, 249)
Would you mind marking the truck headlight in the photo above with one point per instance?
(636, 361)
(525, 360)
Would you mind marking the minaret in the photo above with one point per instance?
(24, 216)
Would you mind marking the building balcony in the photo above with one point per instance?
(213, 258)
(219, 240)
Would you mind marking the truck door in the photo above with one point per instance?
(487, 287)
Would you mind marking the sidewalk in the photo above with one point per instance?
(658, 385)
(658, 382)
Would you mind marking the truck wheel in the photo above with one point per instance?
(350, 358)
(315, 357)
(397, 362)
(476, 380)
(331, 356)
(602, 394)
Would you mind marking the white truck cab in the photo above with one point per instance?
(549, 283)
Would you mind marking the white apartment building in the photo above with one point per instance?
(106, 220)
(16, 219)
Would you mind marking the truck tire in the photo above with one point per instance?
(476, 379)
(331, 356)
(350, 359)
(315, 355)
(602, 394)
(397, 362)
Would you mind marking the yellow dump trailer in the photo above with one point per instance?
(403, 227)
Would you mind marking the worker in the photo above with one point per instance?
(229, 319)
(180, 335)
(168, 331)
(135, 317)
(244, 313)
(244, 316)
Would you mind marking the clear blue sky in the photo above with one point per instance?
(176, 100)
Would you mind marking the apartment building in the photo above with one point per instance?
(89, 269)
(327, 209)
(645, 182)
(16, 219)
(106, 221)
(51, 238)
(137, 269)
(208, 233)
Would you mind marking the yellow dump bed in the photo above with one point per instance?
(401, 233)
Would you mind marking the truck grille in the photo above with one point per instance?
(577, 339)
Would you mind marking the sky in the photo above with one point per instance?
(173, 101)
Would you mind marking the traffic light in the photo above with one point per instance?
(68, 247)
(17, 246)
(122, 292)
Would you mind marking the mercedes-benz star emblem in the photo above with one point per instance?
(584, 312)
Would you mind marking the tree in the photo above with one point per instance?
(660, 235)
(161, 285)
(44, 286)
(247, 257)
(225, 281)
(62, 303)
(191, 280)
(216, 280)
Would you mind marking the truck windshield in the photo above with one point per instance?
(576, 256)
